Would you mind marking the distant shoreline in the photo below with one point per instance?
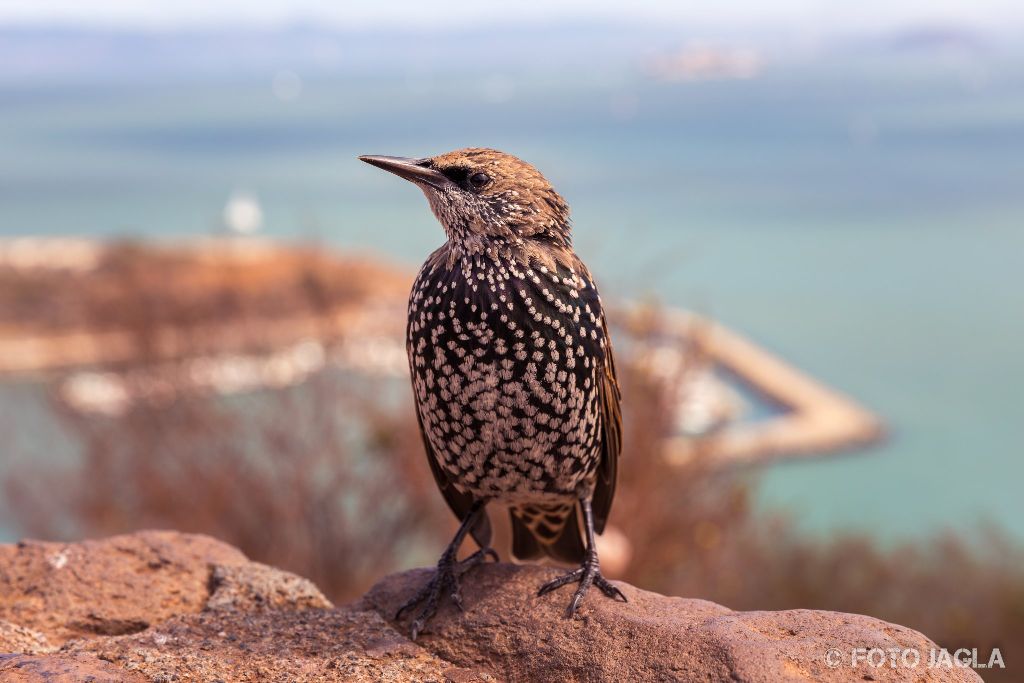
(354, 327)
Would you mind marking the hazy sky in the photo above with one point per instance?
(743, 14)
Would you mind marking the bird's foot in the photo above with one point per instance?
(447, 578)
(589, 573)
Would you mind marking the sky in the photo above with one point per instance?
(863, 15)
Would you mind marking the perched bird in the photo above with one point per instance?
(512, 370)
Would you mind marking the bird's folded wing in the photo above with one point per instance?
(611, 434)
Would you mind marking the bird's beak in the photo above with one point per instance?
(414, 170)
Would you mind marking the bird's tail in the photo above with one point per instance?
(547, 530)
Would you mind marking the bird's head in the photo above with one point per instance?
(482, 194)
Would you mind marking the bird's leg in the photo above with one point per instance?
(446, 577)
(589, 573)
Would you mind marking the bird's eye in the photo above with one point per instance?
(478, 180)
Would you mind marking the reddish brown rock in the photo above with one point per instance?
(271, 645)
(254, 586)
(522, 637)
(63, 669)
(162, 606)
(14, 638)
(109, 587)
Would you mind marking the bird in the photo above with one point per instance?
(512, 372)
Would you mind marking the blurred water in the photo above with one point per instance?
(864, 218)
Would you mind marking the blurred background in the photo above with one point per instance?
(202, 291)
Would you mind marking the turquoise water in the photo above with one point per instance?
(863, 218)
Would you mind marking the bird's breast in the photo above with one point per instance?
(505, 360)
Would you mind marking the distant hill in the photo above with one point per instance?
(37, 53)
(54, 53)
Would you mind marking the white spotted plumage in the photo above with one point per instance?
(507, 411)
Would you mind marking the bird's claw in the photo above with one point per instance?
(479, 557)
(446, 578)
(608, 588)
(589, 573)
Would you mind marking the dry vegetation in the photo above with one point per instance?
(315, 479)
(328, 479)
(137, 287)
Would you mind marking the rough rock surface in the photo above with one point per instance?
(14, 638)
(652, 637)
(109, 587)
(17, 668)
(163, 606)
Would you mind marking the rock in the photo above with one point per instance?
(110, 587)
(271, 645)
(63, 669)
(256, 586)
(522, 637)
(163, 606)
(14, 638)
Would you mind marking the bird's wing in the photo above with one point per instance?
(460, 503)
(611, 434)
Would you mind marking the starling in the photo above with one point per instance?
(512, 370)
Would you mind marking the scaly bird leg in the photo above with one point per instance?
(447, 576)
(589, 573)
